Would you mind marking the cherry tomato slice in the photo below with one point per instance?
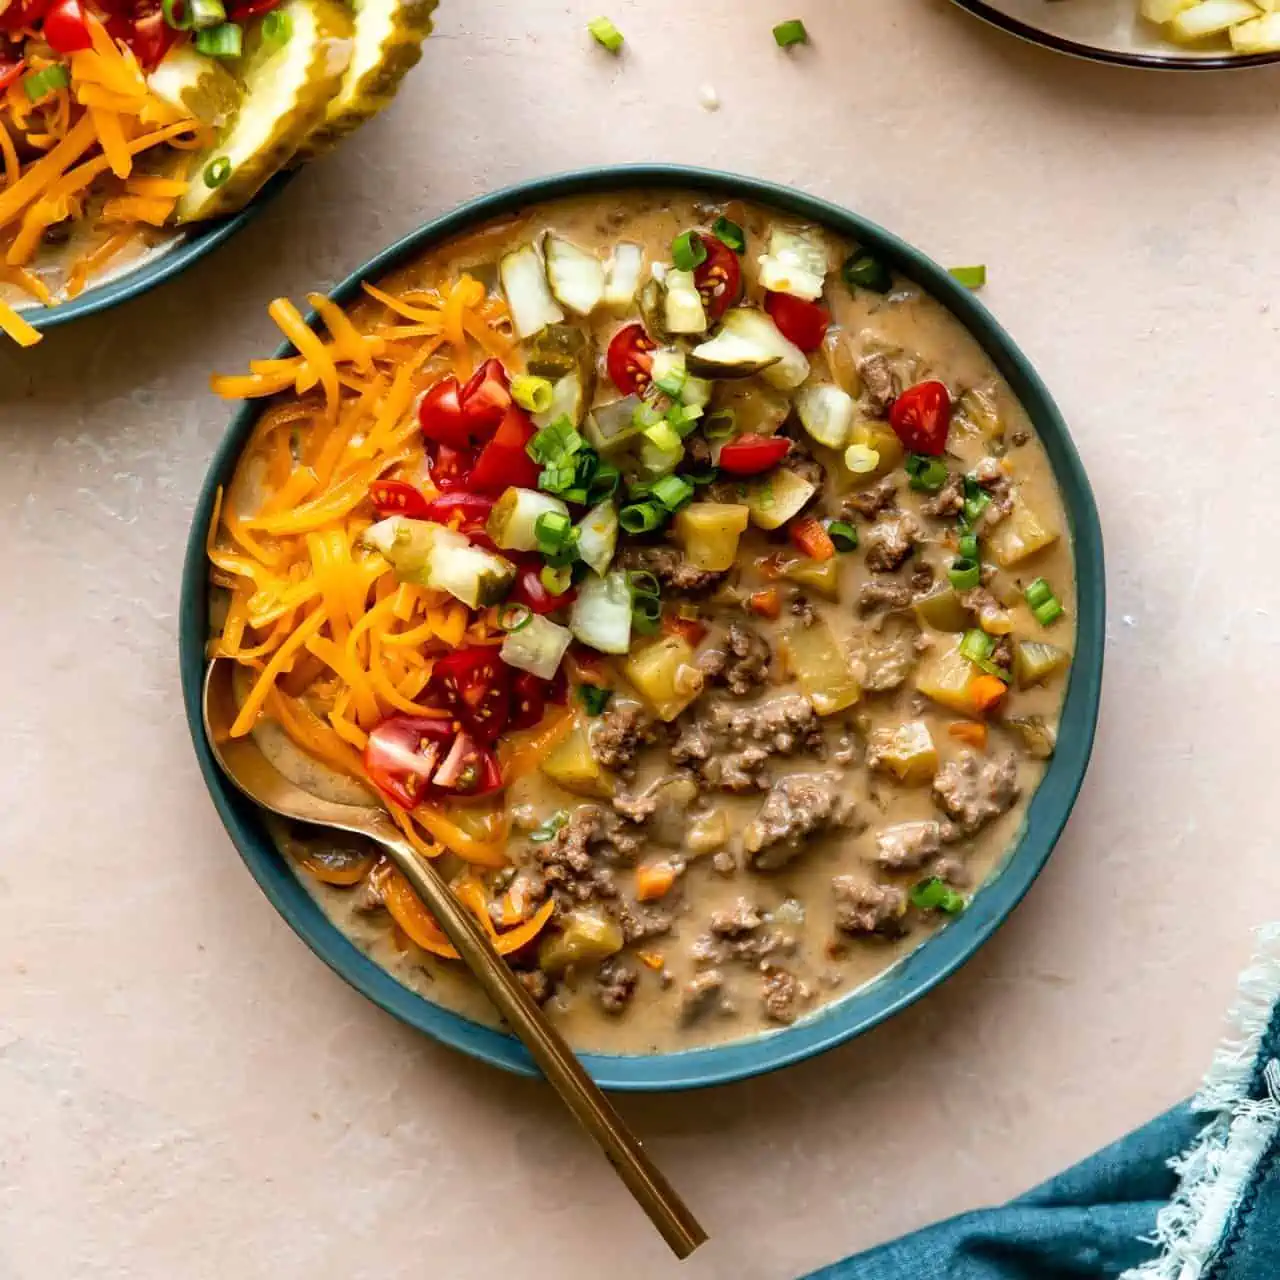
(921, 418)
(504, 462)
(486, 397)
(528, 700)
(475, 684)
(399, 498)
(150, 37)
(629, 361)
(440, 415)
(530, 591)
(65, 27)
(749, 455)
(801, 322)
(718, 277)
(403, 754)
(467, 510)
(20, 15)
(450, 468)
(469, 770)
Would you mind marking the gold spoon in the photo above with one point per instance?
(243, 762)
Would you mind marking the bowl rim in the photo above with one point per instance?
(1114, 57)
(918, 972)
(195, 242)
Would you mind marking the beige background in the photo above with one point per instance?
(185, 1093)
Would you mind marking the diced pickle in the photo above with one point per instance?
(710, 532)
(822, 667)
(945, 678)
(777, 497)
(1021, 535)
(1038, 738)
(943, 611)
(1034, 661)
(906, 751)
(561, 349)
(572, 766)
(587, 935)
(822, 576)
(664, 675)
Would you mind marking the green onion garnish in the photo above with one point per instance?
(643, 583)
(683, 418)
(864, 270)
(936, 895)
(789, 33)
(965, 574)
(641, 517)
(728, 232)
(928, 475)
(1043, 603)
(843, 534)
(646, 614)
(605, 34)
(556, 578)
(700, 475)
(217, 171)
(662, 435)
(671, 384)
(277, 29)
(673, 491)
(533, 394)
(205, 13)
(41, 83)
(968, 546)
(552, 529)
(1049, 613)
(976, 646)
(604, 484)
(514, 617)
(554, 441)
(223, 41)
(688, 251)
(970, 277)
(594, 698)
(177, 14)
(720, 425)
(976, 501)
(547, 830)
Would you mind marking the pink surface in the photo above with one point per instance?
(186, 1092)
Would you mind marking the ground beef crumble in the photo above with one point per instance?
(948, 502)
(879, 384)
(615, 984)
(669, 566)
(619, 734)
(700, 995)
(890, 542)
(884, 596)
(741, 664)
(869, 503)
(577, 863)
(781, 995)
(797, 807)
(863, 908)
(974, 791)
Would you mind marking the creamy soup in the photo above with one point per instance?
(781, 539)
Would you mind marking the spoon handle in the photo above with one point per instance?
(679, 1228)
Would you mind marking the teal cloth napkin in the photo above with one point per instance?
(1194, 1195)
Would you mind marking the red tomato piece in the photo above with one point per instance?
(469, 769)
(399, 498)
(475, 684)
(801, 322)
(65, 27)
(20, 15)
(485, 397)
(403, 754)
(504, 461)
(528, 700)
(450, 468)
(466, 510)
(629, 359)
(749, 455)
(440, 415)
(718, 277)
(529, 590)
(150, 37)
(921, 418)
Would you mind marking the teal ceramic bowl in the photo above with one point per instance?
(930, 963)
(189, 247)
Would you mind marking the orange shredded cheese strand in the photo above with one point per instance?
(287, 316)
(16, 327)
(279, 661)
(112, 140)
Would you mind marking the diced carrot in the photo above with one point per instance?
(985, 692)
(651, 960)
(766, 604)
(654, 881)
(686, 628)
(812, 539)
(971, 731)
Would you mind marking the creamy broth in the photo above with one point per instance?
(750, 941)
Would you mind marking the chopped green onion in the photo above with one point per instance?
(976, 501)
(646, 614)
(594, 698)
(728, 232)
(554, 441)
(970, 277)
(514, 617)
(936, 895)
(688, 251)
(217, 171)
(700, 475)
(553, 529)
(556, 578)
(789, 33)
(1044, 604)
(205, 13)
(41, 83)
(843, 534)
(558, 478)
(968, 546)
(663, 435)
(643, 583)
(684, 418)
(673, 491)
(547, 830)
(277, 29)
(641, 517)
(532, 393)
(605, 34)
(865, 271)
(977, 646)
(223, 41)
(1038, 592)
(671, 384)
(965, 574)
(720, 425)
(177, 14)
(1050, 612)
(604, 484)
(928, 475)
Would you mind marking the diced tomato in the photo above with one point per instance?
(530, 590)
(65, 27)
(468, 511)
(766, 603)
(504, 462)
(440, 415)
(399, 498)
(485, 398)
(718, 277)
(403, 754)
(450, 468)
(528, 700)
(475, 684)
(469, 769)
(749, 455)
(921, 418)
(23, 13)
(801, 322)
(688, 629)
(629, 359)
(812, 539)
(150, 37)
